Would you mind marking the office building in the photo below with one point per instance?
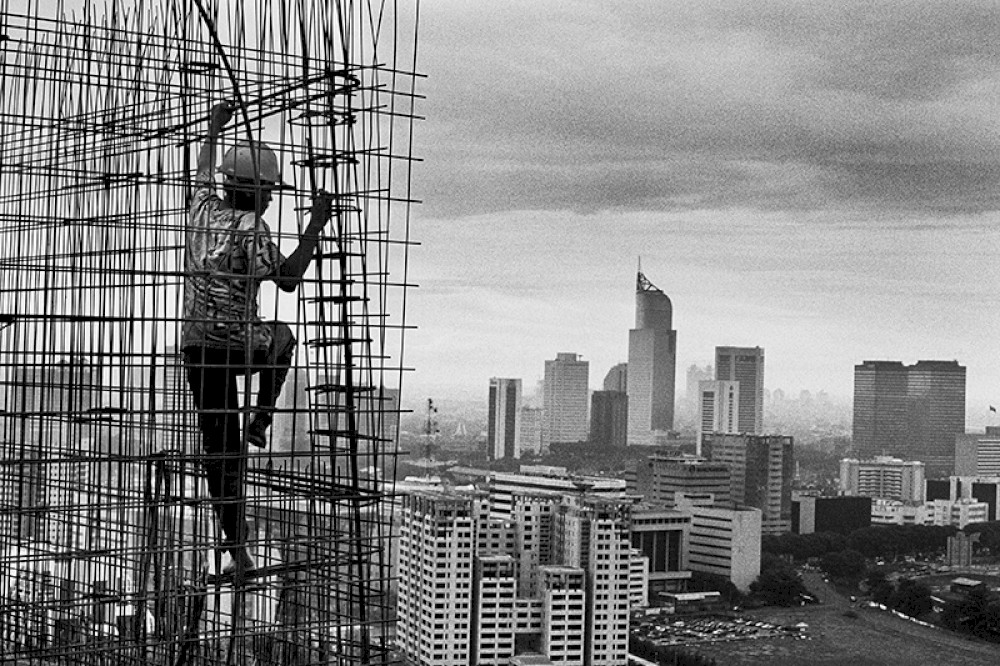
(897, 512)
(957, 513)
(617, 378)
(842, 515)
(652, 359)
(545, 480)
(761, 469)
(531, 431)
(883, 477)
(937, 392)
(503, 429)
(913, 412)
(978, 454)
(718, 408)
(746, 366)
(565, 400)
(687, 474)
(985, 489)
(723, 541)
(609, 418)
(662, 536)
(695, 375)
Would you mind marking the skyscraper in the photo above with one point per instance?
(652, 360)
(880, 409)
(609, 418)
(617, 378)
(718, 407)
(761, 469)
(565, 401)
(746, 366)
(503, 433)
(937, 391)
(913, 412)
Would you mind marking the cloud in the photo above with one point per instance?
(590, 106)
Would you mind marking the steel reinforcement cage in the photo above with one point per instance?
(109, 545)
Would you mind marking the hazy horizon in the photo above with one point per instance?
(820, 181)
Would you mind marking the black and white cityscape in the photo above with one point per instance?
(563, 333)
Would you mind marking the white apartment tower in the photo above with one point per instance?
(566, 400)
(746, 366)
(436, 547)
(592, 533)
(503, 430)
(494, 620)
(718, 408)
(652, 362)
(564, 594)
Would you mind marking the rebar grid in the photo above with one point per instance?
(109, 547)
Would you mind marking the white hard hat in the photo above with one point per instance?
(238, 162)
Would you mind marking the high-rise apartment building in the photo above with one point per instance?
(761, 470)
(652, 360)
(718, 408)
(465, 595)
(493, 623)
(746, 366)
(592, 533)
(565, 401)
(914, 412)
(691, 475)
(609, 418)
(883, 477)
(503, 430)
(436, 547)
(617, 378)
(564, 595)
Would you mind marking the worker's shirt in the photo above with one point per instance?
(228, 252)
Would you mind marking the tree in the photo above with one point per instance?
(912, 598)
(879, 587)
(845, 565)
(778, 584)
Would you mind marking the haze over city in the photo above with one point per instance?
(820, 181)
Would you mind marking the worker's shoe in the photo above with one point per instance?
(257, 430)
(240, 564)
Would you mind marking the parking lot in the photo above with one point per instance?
(673, 630)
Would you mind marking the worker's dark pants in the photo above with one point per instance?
(212, 374)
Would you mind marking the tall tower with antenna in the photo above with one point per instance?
(652, 363)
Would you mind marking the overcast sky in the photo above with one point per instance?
(819, 179)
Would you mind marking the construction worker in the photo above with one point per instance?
(229, 252)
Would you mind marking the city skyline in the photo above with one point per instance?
(818, 182)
